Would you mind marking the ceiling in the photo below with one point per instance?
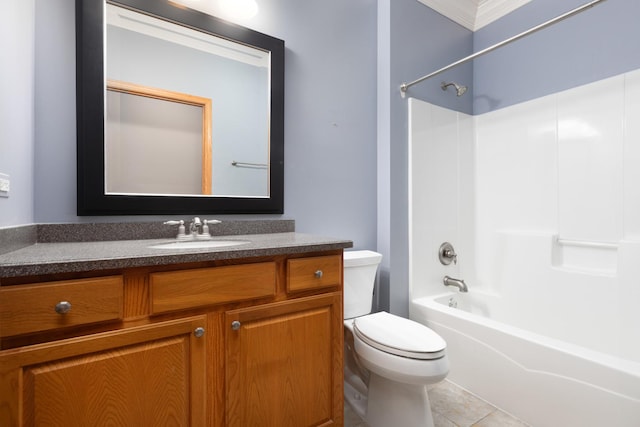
(474, 14)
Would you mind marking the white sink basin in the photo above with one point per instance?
(199, 244)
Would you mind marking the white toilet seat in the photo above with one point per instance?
(399, 336)
(400, 369)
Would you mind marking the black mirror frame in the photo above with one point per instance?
(90, 92)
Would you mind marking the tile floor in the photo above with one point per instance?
(453, 407)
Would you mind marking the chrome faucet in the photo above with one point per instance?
(198, 229)
(196, 226)
(458, 283)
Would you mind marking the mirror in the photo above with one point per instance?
(181, 113)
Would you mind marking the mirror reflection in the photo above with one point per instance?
(146, 130)
(197, 119)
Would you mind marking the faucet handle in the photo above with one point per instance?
(452, 255)
(181, 231)
(205, 228)
(446, 254)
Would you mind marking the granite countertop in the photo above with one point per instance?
(66, 257)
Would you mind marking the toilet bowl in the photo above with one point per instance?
(389, 360)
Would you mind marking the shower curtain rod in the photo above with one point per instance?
(405, 86)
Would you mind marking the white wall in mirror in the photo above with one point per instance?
(141, 152)
(232, 10)
(150, 26)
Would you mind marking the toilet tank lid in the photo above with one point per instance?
(355, 258)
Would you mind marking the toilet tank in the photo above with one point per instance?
(360, 269)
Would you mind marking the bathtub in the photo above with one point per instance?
(542, 380)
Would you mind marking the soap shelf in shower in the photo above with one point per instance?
(586, 256)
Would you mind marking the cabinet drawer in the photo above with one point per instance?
(316, 272)
(177, 290)
(41, 307)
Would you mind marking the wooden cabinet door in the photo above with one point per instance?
(284, 363)
(152, 375)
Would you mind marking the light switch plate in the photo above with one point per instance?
(4, 185)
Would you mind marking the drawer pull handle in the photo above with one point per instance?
(198, 332)
(235, 325)
(318, 274)
(63, 307)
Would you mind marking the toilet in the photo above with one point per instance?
(389, 360)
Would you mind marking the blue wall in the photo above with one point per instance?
(601, 42)
(17, 109)
(330, 113)
(55, 104)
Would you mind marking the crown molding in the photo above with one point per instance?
(461, 11)
(492, 10)
(474, 14)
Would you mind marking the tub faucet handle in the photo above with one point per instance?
(446, 254)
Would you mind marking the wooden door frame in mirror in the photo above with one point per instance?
(90, 93)
(182, 98)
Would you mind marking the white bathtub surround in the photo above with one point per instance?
(545, 218)
(590, 161)
(441, 201)
(631, 152)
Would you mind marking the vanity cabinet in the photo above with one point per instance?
(247, 342)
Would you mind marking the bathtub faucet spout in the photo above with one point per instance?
(458, 283)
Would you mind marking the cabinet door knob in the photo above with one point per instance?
(318, 274)
(235, 325)
(63, 307)
(198, 332)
